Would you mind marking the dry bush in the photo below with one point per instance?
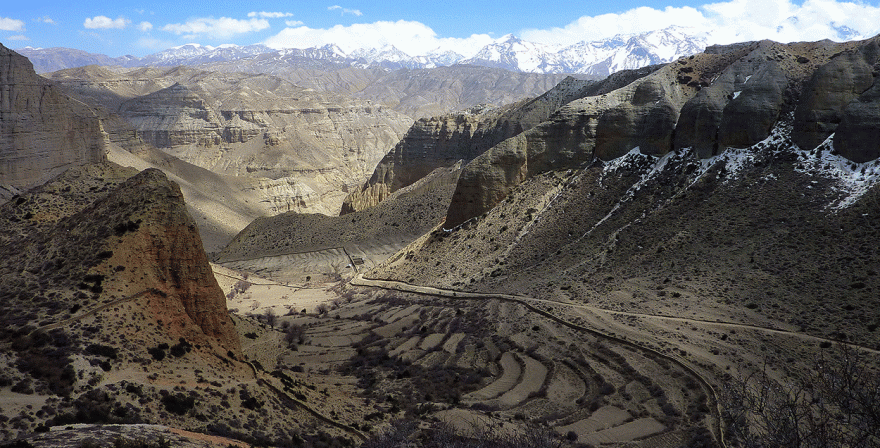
(836, 404)
(294, 335)
(406, 433)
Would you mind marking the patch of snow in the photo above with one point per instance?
(736, 94)
(852, 179)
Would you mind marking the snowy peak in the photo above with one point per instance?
(625, 52)
(515, 54)
(389, 57)
(192, 54)
(600, 58)
(597, 58)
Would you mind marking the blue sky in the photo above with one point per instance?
(139, 27)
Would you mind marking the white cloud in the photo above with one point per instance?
(270, 15)
(591, 28)
(7, 24)
(785, 21)
(344, 11)
(145, 26)
(45, 19)
(727, 22)
(293, 23)
(18, 37)
(413, 38)
(104, 22)
(221, 28)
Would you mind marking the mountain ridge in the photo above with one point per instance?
(598, 58)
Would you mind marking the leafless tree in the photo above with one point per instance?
(294, 335)
(270, 317)
(837, 404)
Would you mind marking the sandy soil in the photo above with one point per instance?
(532, 379)
(264, 294)
(511, 372)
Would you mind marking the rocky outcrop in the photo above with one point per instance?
(830, 90)
(429, 144)
(858, 136)
(42, 132)
(163, 251)
(729, 97)
(119, 236)
(441, 141)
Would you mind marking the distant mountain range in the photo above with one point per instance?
(599, 58)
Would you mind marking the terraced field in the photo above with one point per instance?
(490, 362)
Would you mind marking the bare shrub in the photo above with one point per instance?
(294, 335)
(836, 404)
(322, 309)
(270, 317)
(238, 288)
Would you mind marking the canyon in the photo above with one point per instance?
(624, 261)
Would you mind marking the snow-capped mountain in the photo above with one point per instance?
(440, 58)
(513, 53)
(624, 52)
(194, 54)
(599, 58)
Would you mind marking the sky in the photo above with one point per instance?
(138, 27)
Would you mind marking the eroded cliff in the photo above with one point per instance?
(727, 97)
(42, 132)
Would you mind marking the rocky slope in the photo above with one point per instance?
(406, 214)
(303, 149)
(610, 203)
(443, 140)
(144, 243)
(728, 97)
(770, 234)
(42, 132)
(111, 314)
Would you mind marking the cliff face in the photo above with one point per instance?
(163, 251)
(729, 97)
(443, 140)
(42, 132)
(429, 144)
(302, 149)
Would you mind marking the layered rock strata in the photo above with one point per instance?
(42, 132)
(304, 149)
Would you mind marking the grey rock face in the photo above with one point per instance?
(731, 97)
(749, 117)
(441, 141)
(429, 144)
(646, 121)
(858, 136)
(831, 88)
(42, 132)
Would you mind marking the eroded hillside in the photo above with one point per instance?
(302, 149)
